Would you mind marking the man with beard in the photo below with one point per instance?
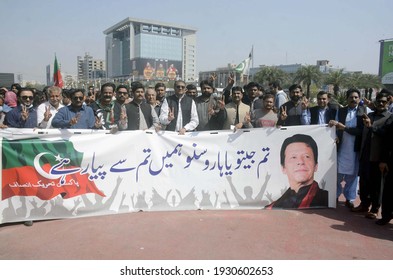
(47, 110)
(140, 115)
(119, 106)
(370, 158)
(238, 113)
(349, 127)
(160, 89)
(23, 115)
(211, 110)
(103, 107)
(290, 112)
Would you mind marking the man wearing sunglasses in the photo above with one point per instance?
(25, 114)
(77, 115)
(178, 112)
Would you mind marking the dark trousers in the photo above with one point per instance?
(370, 185)
(387, 196)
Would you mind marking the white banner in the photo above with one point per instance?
(50, 174)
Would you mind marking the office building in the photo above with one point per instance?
(139, 49)
(7, 79)
(90, 69)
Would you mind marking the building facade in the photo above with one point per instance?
(150, 50)
(90, 69)
(7, 79)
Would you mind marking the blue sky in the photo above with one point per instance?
(282, 32)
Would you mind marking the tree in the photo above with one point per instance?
(308, 75)
(337, 79)
(360, 80)
(270, 74)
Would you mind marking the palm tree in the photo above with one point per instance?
(355, 80)
(270, 74)
(336, 78)
(308, 75)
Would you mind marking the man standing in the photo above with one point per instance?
(280, 97)
(291, 111)
(25, 114)
(77, 115)
(386, 168)
(238, 113)
(140, 115)
(160, 89)
(151, 98)
(192, 91)
(349, 127)
(320, 114)
(47, 110)
(178, 111)
(119, 106)
(265, 116)
(103, 107)
(370, 158)
(211, 111)
(254, 94)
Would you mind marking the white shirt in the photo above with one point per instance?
(347, 158)
(41, 109)
(194, 121)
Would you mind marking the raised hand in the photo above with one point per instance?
(231, 79)
(98, 122)
(47, 114)
(210, 110)
(213, 77)
(24, 113)
(221, 102)
(305, 103)
(247, 118)
(283, 114)
(366, 120)
(75, 119)
(171, 114)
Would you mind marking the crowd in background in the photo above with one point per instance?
(364, 127)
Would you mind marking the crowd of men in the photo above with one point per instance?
(364, 128)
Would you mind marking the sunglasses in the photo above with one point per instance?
(27, 97)
(122, 92)
(77, 98)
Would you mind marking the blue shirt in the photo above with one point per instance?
(306, 116)
(64, 115)
(14, 118)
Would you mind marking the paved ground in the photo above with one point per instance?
(326, 234)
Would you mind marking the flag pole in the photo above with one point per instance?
(252, 55)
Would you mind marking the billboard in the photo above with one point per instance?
(386, 62)
(156, 69)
